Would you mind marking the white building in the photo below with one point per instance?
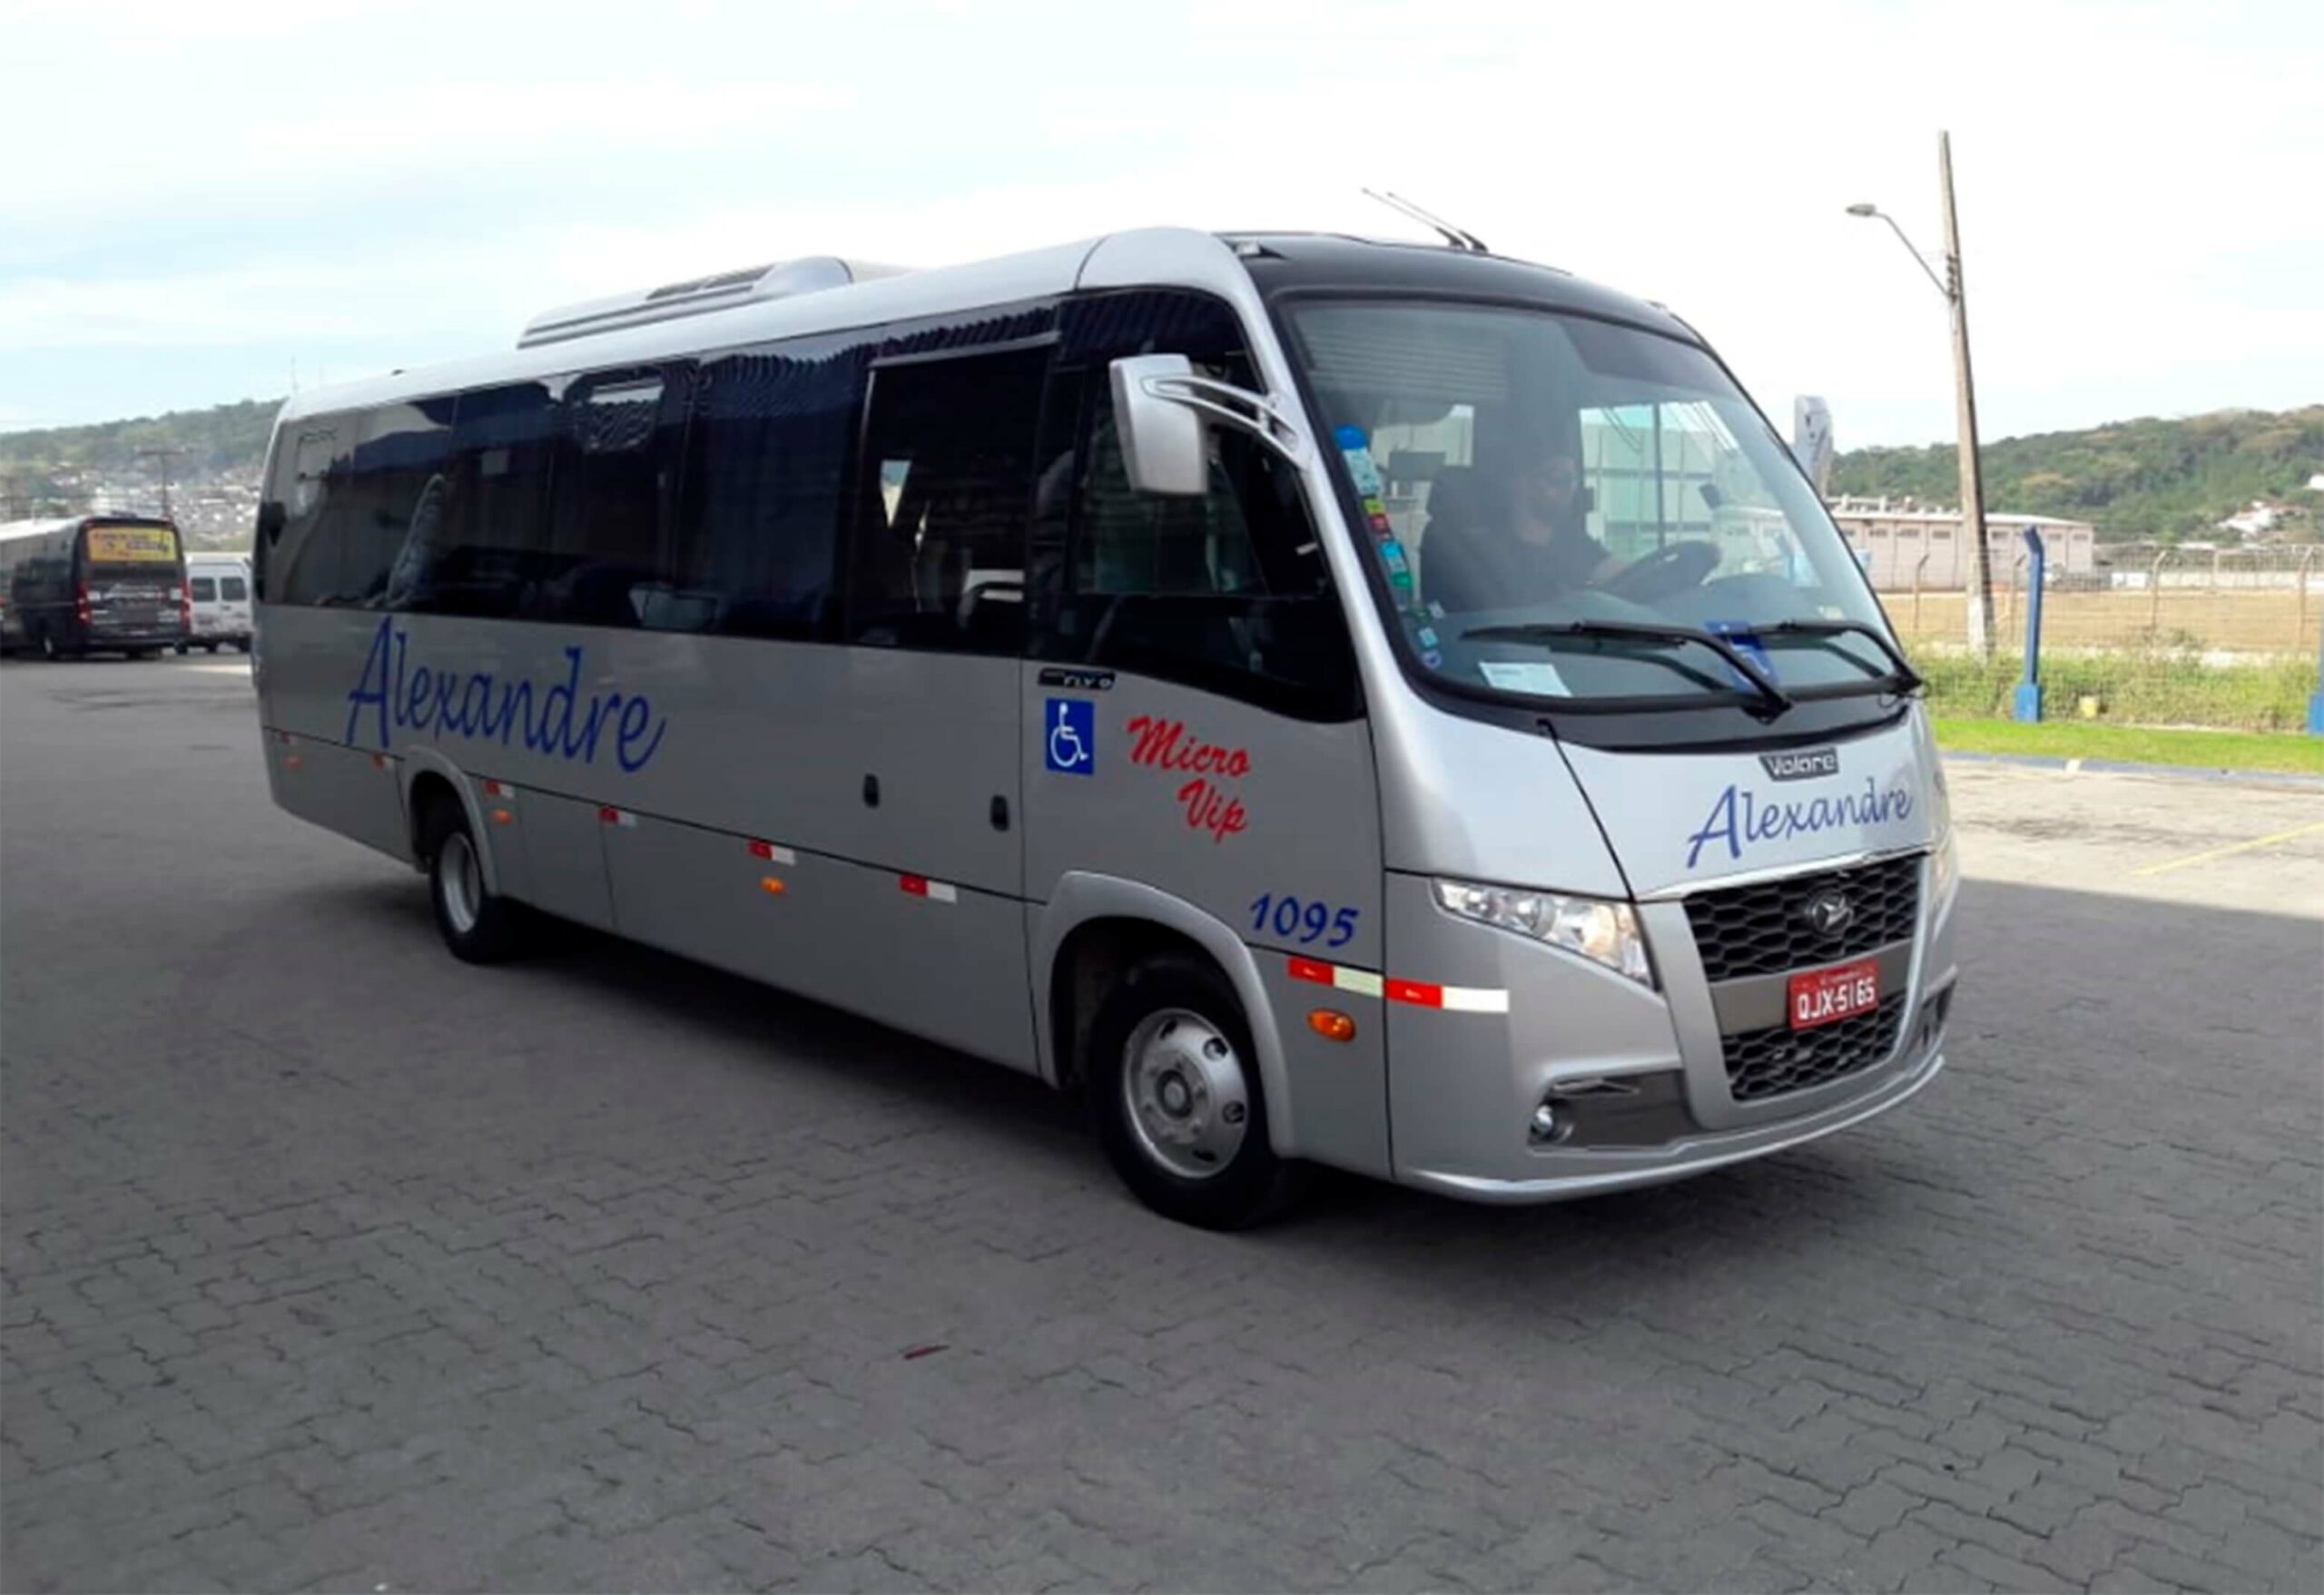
(1904, 545)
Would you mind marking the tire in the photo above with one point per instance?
(243, 644)
(478, 926)
(181, 650)
(210, 649)
(1175, 1095)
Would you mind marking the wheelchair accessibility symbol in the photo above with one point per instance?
(1071, 729)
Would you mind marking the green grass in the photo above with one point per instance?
(2132, 745)
(2142, 686)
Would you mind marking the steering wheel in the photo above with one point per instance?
(1671, 568)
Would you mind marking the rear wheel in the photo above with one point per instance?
(210, 648)
(477, 925)
(243, 644)
(181, 650)
(1174, 1088)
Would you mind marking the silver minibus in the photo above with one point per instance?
(1327, 701)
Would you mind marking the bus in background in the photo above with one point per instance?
(94, 584)
(1329, 702)
(219, 586)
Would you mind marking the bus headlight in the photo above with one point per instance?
(1604, 932)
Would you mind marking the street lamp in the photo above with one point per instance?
(1972, 492)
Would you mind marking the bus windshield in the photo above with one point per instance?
(1571, 508)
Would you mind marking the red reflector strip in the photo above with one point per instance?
(934, 890)
(1419, 994)
(500, 788)
(772, 853)
(623, 817)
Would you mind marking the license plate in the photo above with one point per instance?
(1824, 997)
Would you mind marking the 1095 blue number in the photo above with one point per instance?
(1290, 919)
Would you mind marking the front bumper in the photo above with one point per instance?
(1628, 1170)
(1645, 1074)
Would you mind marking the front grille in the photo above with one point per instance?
(1777, 1059)
(1759, 929)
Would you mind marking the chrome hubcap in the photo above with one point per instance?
(463, 882)
(1187, 1100)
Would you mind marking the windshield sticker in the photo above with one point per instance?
(1744, 819)
(1164, 745)
(485, 707)
(1744, 638)
(1428, 637)
(1540, 679)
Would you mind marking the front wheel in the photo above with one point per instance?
(477, 925)
(181, 650)
(1175, 1092)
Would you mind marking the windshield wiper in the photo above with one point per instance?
(1906, 678)
(1760, 682)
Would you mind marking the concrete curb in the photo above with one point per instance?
(2125, 767)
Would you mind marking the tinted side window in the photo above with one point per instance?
(614, 489)
(205, 589)
(765, 476)
(1227, 592)
(473, 541)
(936, 558)
(232, 588)
(313, 462)
(396, 478)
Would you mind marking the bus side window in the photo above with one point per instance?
(311, 468)
(936, 558)
(474, 545)
(393, 491)
(1227, 592)
(759, 511)
(613, 488)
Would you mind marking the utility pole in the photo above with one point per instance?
(1973, 486)
(1972, 491)
(164, 455)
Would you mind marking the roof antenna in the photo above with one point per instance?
(1457, 237)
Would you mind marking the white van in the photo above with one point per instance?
(220, 584)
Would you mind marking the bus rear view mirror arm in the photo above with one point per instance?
(1161, 407)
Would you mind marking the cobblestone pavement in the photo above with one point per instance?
(330, 1262)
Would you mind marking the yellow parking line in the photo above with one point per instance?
(2241, 847)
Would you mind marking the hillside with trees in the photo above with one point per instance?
(225, 438)
(2165, 480)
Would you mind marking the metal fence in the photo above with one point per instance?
(2154, 635)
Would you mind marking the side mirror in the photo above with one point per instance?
(1161, 437)
(1160, 410)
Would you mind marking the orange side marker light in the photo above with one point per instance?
(1331, 1024)
(770, 884)
(502, 816)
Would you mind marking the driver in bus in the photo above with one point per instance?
(1552, 533)
(1530, 542)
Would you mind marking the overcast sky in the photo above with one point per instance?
(201, 195)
